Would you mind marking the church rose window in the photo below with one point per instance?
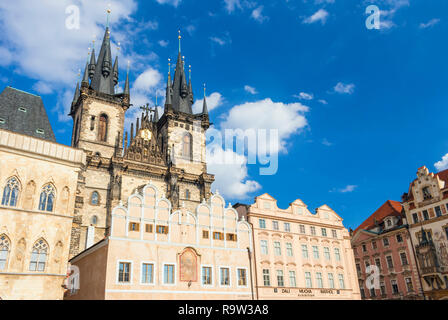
(46, 202)
(11, 193)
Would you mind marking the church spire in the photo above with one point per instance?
(116, 71)
(77, 93)
(126, 85)
(204, 106)
(85, 79)
(168, 101)
(180, 99)
(92, 64)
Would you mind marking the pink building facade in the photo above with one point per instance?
(384, 256)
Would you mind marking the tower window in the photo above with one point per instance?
(187, 194)
(426, 193)
(95, 200)
(102, 129)
(186, 146)
(47, 198)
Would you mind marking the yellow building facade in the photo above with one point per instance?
(300, 255)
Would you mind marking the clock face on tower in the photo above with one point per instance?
(146, 134)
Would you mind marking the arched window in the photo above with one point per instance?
(46, 202)
(39, 256)
(102, 128)
(186, 146)
(4, 250)
(187, 194)
(95, 199)
(94, 220)
(11, 193)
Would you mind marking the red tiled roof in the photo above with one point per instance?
(387, 209)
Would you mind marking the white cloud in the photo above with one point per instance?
(323, 101)
(221, 41)
(257, 15)
(147, 80)
(231, 180)
(174, 3)
(442, 164)
(321, 15)
(190, 29)
(327, 143)
(348, 189)
(164, 43)
(42, 87)
(288, 119)
(214, 101)
(344, 88)
(250, 89)
(5, 57)
(231, 5)
(305, 96)
(429, 24)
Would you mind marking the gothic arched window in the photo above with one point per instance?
(102, 128)
(187, 146)
(94, 220)
(39, 256)
(95, 199)
(47, 197)
(187, 194)
(11, 193)
(4, 250)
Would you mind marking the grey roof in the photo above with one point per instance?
(181, 99)
(103, 78)
(24, 113)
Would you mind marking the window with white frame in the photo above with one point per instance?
(302, 229)
(224, 276)
(124, 272)
(334, 233)
(404, 258)
(315, 252)
(242, 277)
(395, 289)
(266, 278)
(275, 225)
(289, 251)
(287, 227)
(386, 242)
(390, 262)
(264, 246)
(262, 223)
(308, 281)
(383, 289)
(331, 281)
(313, 230)
(39, 256)
(409, 284)
(292, 279)
(168, 274)
(147, 273)
(324, 232)
(327, 253)
(277, 248)
(207, 276)
(280, 280)
(341, 281)
(319, 281)
(4, 251)
(305, 251)
(337, 254)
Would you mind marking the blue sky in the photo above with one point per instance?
(358, 110)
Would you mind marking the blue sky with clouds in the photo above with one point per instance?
(358, 110)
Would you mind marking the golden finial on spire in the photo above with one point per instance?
(180, 37)
(109, 10)
(169, 66)
(129, 65)
(205, 90)
(189, 72)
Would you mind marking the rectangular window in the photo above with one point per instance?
(264, 246)
(275, 225)
(324, 232)
(372, 293)
(446, 231)
(313, 231)
(134, 226)
(337, 254)
(395, 289)
(383, 289)
(425, 215)
(162, 229)
(124, 272)
(148, 228)
(242, 277)
(289, 252)
(277, 248)
(404, 258)
(305, 251)
(367, 264)
(378, 263)
(320, 283)
(168, 274)
(292, 279)
(364, 248)
(315, 252)
(302, 229)
(147, 273)
(390, 262)
(341, 281)
(308, 281)
(262, 223)
(438, 211)
(299, 211)
(335, 234)
(280, 281)
(207, 276)
(287, 227)
(225, 276)
(231, 237)
(358, 268)
(331, 281)
(205, 234)
(363, 295)
(266, 278)
(386, 242)
(218, 236)
(399, 238)
(327, 253)
(409, 284)
(374, 245)
(415, 217)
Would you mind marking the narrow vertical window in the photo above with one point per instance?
(186, 146)
(280, 280)
(305, 251)
(11, 193)
(147, 273)
(292, 279)
(207, 276)
(315, 252)
(327, 253)
(225, 276)
(319, 280)
(46, 202)
(341, 281)
(331, 281)
(264, 246)
(102, 128)
(337, 254)
(242, 277)
(95, 199)
(277, 248)
(308, 281)
(4, 251)
(289, 251)
(39, 256)
(266, 278)
(168, 274)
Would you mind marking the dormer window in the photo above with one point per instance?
(2, 121)
(40, 131)
(426, 193)
(22, 109)
(389, 223)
